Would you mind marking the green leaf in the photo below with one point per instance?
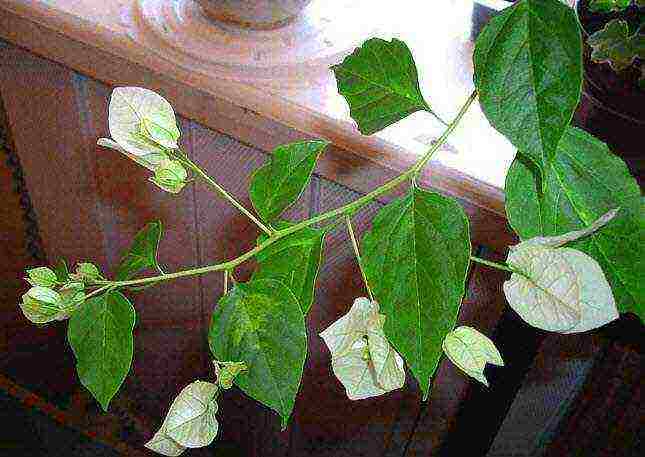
(585, 181)
(261, 324)
(416, 258)
(100, 334)
(143, 252)
(614, 45)
(361, 357)
(528, 71)
(278, 184)
(380, 83)
(606, 6)
(294, 260)
(470, 351)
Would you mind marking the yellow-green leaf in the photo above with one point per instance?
(470, 351)
(261, 324)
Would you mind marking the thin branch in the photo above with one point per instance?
(490, 263)
(219, 189)
(341, 211)
(350, 229)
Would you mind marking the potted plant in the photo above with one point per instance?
(573, 204)
(614, 69)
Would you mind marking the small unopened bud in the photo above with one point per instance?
(41, 305)
(87, 272)
(170, 176)
(227, 371)
(72, 295)
(366, 350)
(157, 133)
(41, 276)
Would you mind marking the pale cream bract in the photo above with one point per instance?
(139, 118)
(470, 351)
(150, 161)
(362, 358)
(42, 305)
(560, 289)
(142, 125)
(190, 422)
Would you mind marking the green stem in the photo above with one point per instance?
(341, 211)
(350, 229)
(99, 290)
(489, 263)
(418, 167)
(219, 189)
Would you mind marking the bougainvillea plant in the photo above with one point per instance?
(576, 209)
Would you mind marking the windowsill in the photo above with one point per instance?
(472, 165)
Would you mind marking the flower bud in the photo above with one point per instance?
(41, 276)
(227, 371)
(72, 293)
(158, 134)
(41, 305)
(87, 272)
(170, 176)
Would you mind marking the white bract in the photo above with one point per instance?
(139, 116)
(362, 358)
(470, 351)
(142, 125)
(42, 305)
(41, 276)
(190, 422)
(560, 289)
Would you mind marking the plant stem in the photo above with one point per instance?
(279, 234)
(490, 263)
(98, 291)
(350, 229)
(219, 189)
(418, 167)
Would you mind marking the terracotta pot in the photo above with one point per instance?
(260, 14)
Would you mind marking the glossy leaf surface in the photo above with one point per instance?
(261, 324)
(528, 71)
(295, 261)
(584, 182)
(278, 184)
(380, 83)
(416, 258)
(142, 255)
(100, 334)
